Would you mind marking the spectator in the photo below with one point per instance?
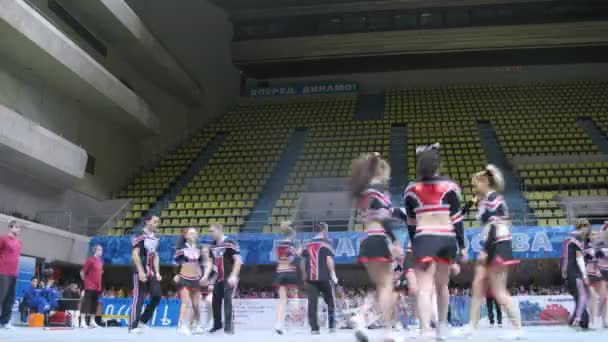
(51, 294)
(10, 249)
(29, 298)
(91, 273)
(70, 303)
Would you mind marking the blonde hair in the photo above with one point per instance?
(495, 178)
(364, 169)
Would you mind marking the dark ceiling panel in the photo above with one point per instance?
(570, 55)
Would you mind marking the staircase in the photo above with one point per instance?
(398, 160)
(184, 179)
(513, 196)
(595, 133)
(273, 187)
(370, 107)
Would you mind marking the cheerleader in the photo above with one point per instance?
(188, 257)
(435, 227)
(575, 274)
(599, 278)
(491, 270)
(369, 179)
(286, 275)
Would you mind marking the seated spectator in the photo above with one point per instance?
(70, 303)
(28, 303)
(52, 295)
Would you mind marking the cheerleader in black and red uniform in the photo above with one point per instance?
(286, 276)
(435, 227)
(369, 179)
(491, 271)
(596, 256)
(188, 257)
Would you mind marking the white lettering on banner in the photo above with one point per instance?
(165, 320)
(345, 248)
(304, 89)
(520, 242)
(541, 240)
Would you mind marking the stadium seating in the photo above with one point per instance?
(328, 152)
(438, 115)
(146, 188)
(529, 120)
(226, 189)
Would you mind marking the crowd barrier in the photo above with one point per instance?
(258, 249)
(260, 313)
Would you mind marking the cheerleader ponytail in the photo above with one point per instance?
(363, 171)
(495, 178)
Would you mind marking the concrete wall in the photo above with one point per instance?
(378, 82)
(118, 154)
(36, 238)
(29, 196)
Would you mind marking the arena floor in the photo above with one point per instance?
(544, 334)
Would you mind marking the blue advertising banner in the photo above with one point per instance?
(258, 249)
(259, 313)
(304, 89)
(165, 315)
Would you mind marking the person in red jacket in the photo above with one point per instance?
(10, 249)
(91, 274)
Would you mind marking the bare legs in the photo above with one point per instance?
(498, 283)
(599, 292)
(195, 300)
(479, 287)
(382, 275)
(190, 311)
(432, 277)
(281, 309)
(184, 319)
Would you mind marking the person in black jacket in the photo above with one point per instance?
(319, 272)
(575, 274)
(226, 255)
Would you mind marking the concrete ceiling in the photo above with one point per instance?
(39, 47)
(198, 34)
(120, 27)
(258, 9)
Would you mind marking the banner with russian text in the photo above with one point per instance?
(258, 249)
(321, 88)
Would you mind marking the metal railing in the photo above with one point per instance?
(66, 220)
(343, 219)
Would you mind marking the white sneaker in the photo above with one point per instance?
(184, 331)
(84, 325)
(93, 325)
(198, 330)
(515, 334)
(465, 331)
(442, 331)
(7, 326)
(425, 336)
(278, 328)
(136, 331)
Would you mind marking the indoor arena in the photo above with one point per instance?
(298, 170)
